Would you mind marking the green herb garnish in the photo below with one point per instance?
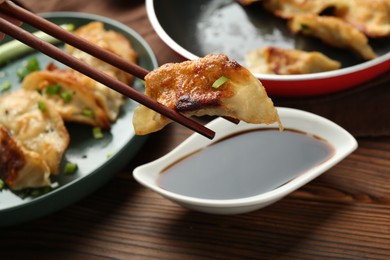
(2, 184)
(22, 73)
(87, 112)
(35, 192)
(304, 27)
(70, 168)
(219, 82)
(6, 86)
(66, 96)
(97, 133)
(53, 89)
(46, 189)
(31, 65)
(42, 106)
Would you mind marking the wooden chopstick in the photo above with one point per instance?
(81, 44)
(56, 31)
(67, 59)
(18, 3)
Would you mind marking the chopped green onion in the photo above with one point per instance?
(22, 72)
(46, 189)
(87, 112)
(53, 89)
(2, 184)
(6, 85)
(109, 155)
(97, 133)
(13, 49)
(66, 96)
(31, 65)
(304, 27)
(35, 192)
(70, 168)
(219, 82)
(42, 106)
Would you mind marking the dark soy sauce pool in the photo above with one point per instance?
(245, 164)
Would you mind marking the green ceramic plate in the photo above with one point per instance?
(98, 159)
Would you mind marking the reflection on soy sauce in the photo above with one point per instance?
(245, 164)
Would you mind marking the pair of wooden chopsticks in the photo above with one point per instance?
(56, 31)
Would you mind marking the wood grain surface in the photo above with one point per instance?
(343, 214)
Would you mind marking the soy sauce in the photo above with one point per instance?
(245, 164)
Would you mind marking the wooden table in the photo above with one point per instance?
(345, 213)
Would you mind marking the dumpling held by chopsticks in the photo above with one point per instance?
(213, 85)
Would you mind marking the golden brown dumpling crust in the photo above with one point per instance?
(111, 101)
(271, 60)
(109, 40)
(290, 8)
(187, 88)
(333, 31)
(82, 98)
(372, 17)
(12, 159)
(38, 129)
(108, 99)
(20, 168)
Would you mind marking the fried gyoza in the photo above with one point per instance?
(108, 99)
(73, 100)
(35, 123)
(370, 17)
(290, 8)
(19, 167)
(94, 32)
(109, 40)
(80, 98)
(333, 31)
(271, 60)
(187, 88)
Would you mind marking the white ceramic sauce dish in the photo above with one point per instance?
(342, 142)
